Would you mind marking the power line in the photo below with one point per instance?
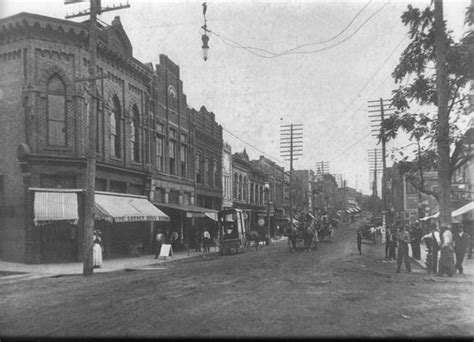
(238, 45)
(252, 146)
(314, 43)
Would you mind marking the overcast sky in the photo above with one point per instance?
(326, 91)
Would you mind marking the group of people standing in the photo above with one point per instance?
(204, 238)
(446, 250)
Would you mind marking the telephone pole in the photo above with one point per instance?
(375, 162)
(377, 110)
(291, 146)
(322, 168)
(442, 137)
(87, 243)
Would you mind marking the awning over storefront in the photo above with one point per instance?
(54, 205)
(126, 208)
(463, 210)
(191, 210)
(458, 212)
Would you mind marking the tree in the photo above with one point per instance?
(416, 98)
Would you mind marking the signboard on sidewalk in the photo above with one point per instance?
(166, 251)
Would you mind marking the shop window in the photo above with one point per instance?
(159, 195)
(120, 187)
(135, 189)
(174, 197)
(56, 112)
(100, 184)
(58, 181)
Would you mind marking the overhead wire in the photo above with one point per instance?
(316, 42)
(238, 45)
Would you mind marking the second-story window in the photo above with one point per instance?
(115, 129)
(206, 170)
(235, 185)
(56, 112)
(159, 153)
(135, 135)
(184, 158)
(172, 157)
(198, 168)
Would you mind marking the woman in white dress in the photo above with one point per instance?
(97, 252)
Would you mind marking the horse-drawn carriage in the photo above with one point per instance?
(302, 232)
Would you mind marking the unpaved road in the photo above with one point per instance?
(270, 292)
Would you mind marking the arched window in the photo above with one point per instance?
(115, 128)
(56, 112)
(172, 98)
(135, 135)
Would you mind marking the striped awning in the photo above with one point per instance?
(126, 208)
(55, 206)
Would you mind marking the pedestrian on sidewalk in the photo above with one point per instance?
(415, 242)
(359, 241)
(206, 240)
(392, 245)
(97, 251)
(461, 241)
(403, 238)
(446, 257)
(159, 240)
(197, 240)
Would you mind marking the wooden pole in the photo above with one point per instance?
(88, 269)
(443, 118)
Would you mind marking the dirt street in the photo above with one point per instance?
(270, 292)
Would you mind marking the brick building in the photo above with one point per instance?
(145, 138)
(249, 188)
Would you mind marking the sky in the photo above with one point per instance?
(325, 86)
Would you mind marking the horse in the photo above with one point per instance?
(254, 236)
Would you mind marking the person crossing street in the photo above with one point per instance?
(403, 238)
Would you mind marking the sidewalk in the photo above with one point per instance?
(28, 271)
(21, 271)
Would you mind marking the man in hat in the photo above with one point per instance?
(461, 241)
(403, 238)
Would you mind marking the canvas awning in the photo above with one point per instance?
(463, 210)
(191, 210)
(458, 212)
(126, 208)
(54, 205)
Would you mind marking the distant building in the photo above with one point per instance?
(226, 176)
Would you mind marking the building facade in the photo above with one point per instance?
(227, 176)
(145, 135)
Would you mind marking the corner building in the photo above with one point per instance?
(144, 150)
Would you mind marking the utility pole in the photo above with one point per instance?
(87, 243)
(291, 146)
(380, 108)
(323, 168)
(443, 117)
(375, 162)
